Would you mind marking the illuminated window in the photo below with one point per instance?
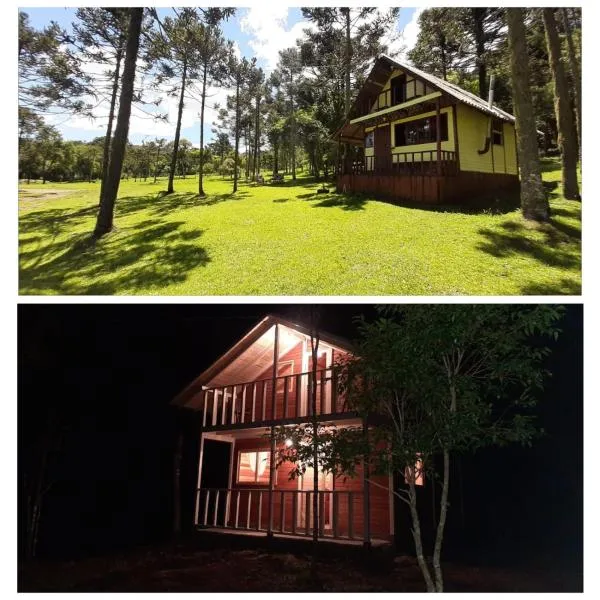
(254, 467)
(415, 473)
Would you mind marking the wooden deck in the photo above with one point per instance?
(375, 543)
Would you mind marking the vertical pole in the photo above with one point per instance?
(273, 461)
(201, 454)
(230, 486)
(438, 136)
(205, 401)
(366, 496)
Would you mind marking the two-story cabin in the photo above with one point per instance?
(262, 382)
(419, 138)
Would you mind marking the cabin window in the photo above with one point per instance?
(370, 139)
(397, 85)
(497, 129)
(254, 467)
(420, 131)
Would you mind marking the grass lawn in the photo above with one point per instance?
(287, 240)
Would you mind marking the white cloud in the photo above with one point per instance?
(267, 26)
(411, 31)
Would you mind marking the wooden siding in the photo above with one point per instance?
(380, 509)
(463, 188)
(401, 188)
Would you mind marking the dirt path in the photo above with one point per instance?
(34, 198)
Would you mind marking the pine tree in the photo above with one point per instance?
(104, 221)
(534, 203)
(567, 136)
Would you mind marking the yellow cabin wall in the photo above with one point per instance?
(409, 92)
(510, 149)
(473, 129)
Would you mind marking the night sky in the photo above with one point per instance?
(106, 374)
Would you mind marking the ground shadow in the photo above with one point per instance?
(146, 256)
(163, 204)
(334, 200)
(557, 247)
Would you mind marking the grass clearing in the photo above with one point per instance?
(289, 240)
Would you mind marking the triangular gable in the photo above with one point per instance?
(378, 77)
(257, 339)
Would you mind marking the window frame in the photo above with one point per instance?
(256, 452)
(370, 135)
(419, 124)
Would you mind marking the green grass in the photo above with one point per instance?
(287, 240)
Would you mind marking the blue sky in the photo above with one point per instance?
(260, 31)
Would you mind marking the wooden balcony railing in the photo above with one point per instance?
(340, 512)
(422, 162)
(254, 402)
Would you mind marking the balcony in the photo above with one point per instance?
(257, 403)
(423, 162)
(341, 513)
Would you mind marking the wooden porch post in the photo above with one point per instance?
(438, 135)
(366, 497)
(272, 462)
(201, 454)
(455, 127)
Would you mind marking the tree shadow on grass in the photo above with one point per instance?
(557, 247)
(163, 204)
(139, 259)
(334, 200)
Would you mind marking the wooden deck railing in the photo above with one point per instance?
(340, 512)
(422, 162)
(253, 402)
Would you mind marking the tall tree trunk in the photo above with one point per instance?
(275, 157)
(567, 137)
(247, 141)
(156, 162)
(478, 15)
(534, 203)
(293, 134)
(202, 104)
(111, 116)
(237, 133)
(347, 62)
(443, 51)
(104, 222)
(177, 485)
(575, 73)
(257, 137)
(417, 536)
(170, 188)
(439, 536)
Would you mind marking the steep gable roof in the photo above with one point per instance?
(380, 73)
(243, 344)
(453, 90)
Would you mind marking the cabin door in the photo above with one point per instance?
(322, 375)
(383, 149)
(306, 484)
